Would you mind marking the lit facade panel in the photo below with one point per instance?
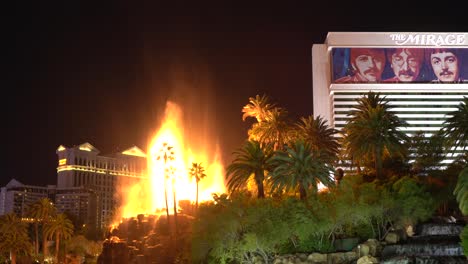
(422, 75)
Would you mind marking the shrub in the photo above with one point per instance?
(415, 204)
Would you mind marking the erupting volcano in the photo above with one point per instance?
(170, 156)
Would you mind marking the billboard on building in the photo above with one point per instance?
(399, 64)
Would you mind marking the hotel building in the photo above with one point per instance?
(82, 166)
(422, 103)
(86, 184)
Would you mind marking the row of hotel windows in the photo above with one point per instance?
(133, 166)
(84, 178)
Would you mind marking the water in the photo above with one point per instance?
(434, 243)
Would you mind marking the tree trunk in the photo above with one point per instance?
(261, 190)
(36, 230)
(57, 246)
(13, 257)
(302, 192)
(45, 251)
(175, 205)
(165, 196)
(197, 197)
(259, 181)
(378, 163)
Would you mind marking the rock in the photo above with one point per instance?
(409, 231)
(317, 258)
(302, 256)
(363, 249)
(373, 247)
(392, 238)
(367, 260)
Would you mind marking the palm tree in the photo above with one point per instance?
(250, 159)
(41, 211)
(13, 236)
(319, 135)
(373, 131)
(300, 167)
(258, 107)
(274, 129)
(166, 154)
(455, 128)
(198, 172)
(60, 227)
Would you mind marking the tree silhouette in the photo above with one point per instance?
(198, 172)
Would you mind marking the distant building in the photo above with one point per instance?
(16, 197)
(82, 166)
(423, 101)
(80, 202)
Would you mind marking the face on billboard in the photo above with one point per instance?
(445, 66)
(406, 64)
(399, 65)
(369, 67)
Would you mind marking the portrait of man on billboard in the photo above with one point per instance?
(367, 65)
(446, 64)
(406, 64)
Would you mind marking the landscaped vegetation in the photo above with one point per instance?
(28, 238)
(274, 206)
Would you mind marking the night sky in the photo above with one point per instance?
(101, 73)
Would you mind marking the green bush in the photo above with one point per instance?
(464, 240)
(461, 191)
(241, 228)
(414, 203)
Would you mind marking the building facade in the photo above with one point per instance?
(82, 166)
(410, 69)
(16, 197)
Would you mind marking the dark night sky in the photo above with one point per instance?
(100, 73)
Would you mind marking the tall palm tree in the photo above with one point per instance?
(13, 236)
(41, 211)
(300, 167)
(319, 135)
(250, 159)
(59, 227)
(166, 154)
(274, 129)
(258, 107)
(373, 131)
(455, 128)
(198, 172)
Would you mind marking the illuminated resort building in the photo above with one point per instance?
(16, 197)
(82, 203)
(83, 167)
(423, 102)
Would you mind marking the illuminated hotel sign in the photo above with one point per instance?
(428, 39)
(400, 64)
(409, 39)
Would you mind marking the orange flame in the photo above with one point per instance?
(169, 162)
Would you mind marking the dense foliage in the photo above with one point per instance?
(241, 228)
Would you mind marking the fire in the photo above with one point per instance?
(169, 161)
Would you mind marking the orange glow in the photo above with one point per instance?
(169, 160)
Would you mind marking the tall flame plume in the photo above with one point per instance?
(169, 159)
